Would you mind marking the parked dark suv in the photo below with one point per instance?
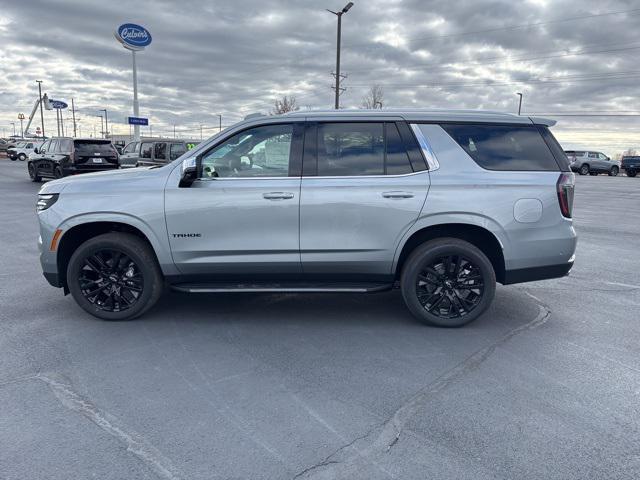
(631, 165)
(63, 156)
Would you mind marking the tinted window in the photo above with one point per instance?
(556, 149)
(396, 161)
(593, 155)
(66, 145)
(145, 150)
(93, 147)
(131, 148)
(53, 147)
(160, 151)
(29, 145)
(177, 149)
(504, 147)
(45, 146)
(350, 149)
(258, 152)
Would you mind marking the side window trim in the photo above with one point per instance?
(427, 151)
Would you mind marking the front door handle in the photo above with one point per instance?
(278, 195)
(397, 194)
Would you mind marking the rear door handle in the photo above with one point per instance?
(278, 195)
(397, 194)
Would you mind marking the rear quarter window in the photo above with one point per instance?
(504, 147)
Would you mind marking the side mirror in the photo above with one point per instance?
(188, 172)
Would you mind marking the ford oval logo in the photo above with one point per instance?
(58, 104)
(132, 36)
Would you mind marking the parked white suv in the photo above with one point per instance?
(441, 203)
(592, 163)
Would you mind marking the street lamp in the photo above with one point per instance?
(339, 14)
(14, 128)
(101, 124)
(39, 82)
(520, 102)
(106, 121)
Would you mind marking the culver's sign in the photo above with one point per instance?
(132, 36)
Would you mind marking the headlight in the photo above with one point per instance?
(45, 201)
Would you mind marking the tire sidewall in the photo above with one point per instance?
(428, 252)
(582, 170)
(614, 171)
(22, 157)
(101, 243)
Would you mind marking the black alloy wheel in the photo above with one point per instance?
(110, 280)
(115, 276)
(447, 282)
(450, 287)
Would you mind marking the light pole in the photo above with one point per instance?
(73, 112)
(219, 123)
(39, 82)
(106, 122)
(200, 132)
(519, 103)
(101, 124)
(14, 128)
(339, 15)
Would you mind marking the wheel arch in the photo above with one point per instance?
(479, 236)
(81, 231)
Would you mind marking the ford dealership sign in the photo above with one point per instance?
(59, 104)
(132, 36)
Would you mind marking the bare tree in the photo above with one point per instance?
(284, 105)
(374, 98)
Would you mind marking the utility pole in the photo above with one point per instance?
(339, 14)
(39, 82)
(14, 128)
(219, 122)
(200, 132)
(73, 112)
(21, 118)
(101, 124)
(106, 123)
(174, 130)
(519, 103)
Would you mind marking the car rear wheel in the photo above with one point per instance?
(631, 173)
(33, 173)
(57, 172)
(447, 282)
(584, 169)
(613, 172)
(115, 276)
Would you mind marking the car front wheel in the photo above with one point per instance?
(22, 157)
(33, 173)
(447, 282)
(115, 276)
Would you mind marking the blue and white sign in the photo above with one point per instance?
(59, 104)
(132, 36)
(138, 121)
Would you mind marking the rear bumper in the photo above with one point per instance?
(75, 169)
(533, 274)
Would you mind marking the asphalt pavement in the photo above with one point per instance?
(546, 385)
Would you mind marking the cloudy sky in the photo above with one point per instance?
(567, 57)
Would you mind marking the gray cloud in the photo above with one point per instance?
(237, 57)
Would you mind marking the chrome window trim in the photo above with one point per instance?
(432, 161)
(218, 179)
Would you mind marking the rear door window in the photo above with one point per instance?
(160, 151)
(350, 149)
(504, 147)
(66, 146)
(145, 150)
(131, 148)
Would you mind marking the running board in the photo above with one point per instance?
(286, 287)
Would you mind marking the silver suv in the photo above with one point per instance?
(592, 163)
(440, 203)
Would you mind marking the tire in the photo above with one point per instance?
(584, 169)
(33, 172)
(631, 173)
(136, 280)
(425, 290)
(593, 174)
(57, 172)
(614, 172)
(22, 157)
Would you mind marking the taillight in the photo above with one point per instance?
(565, 188)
